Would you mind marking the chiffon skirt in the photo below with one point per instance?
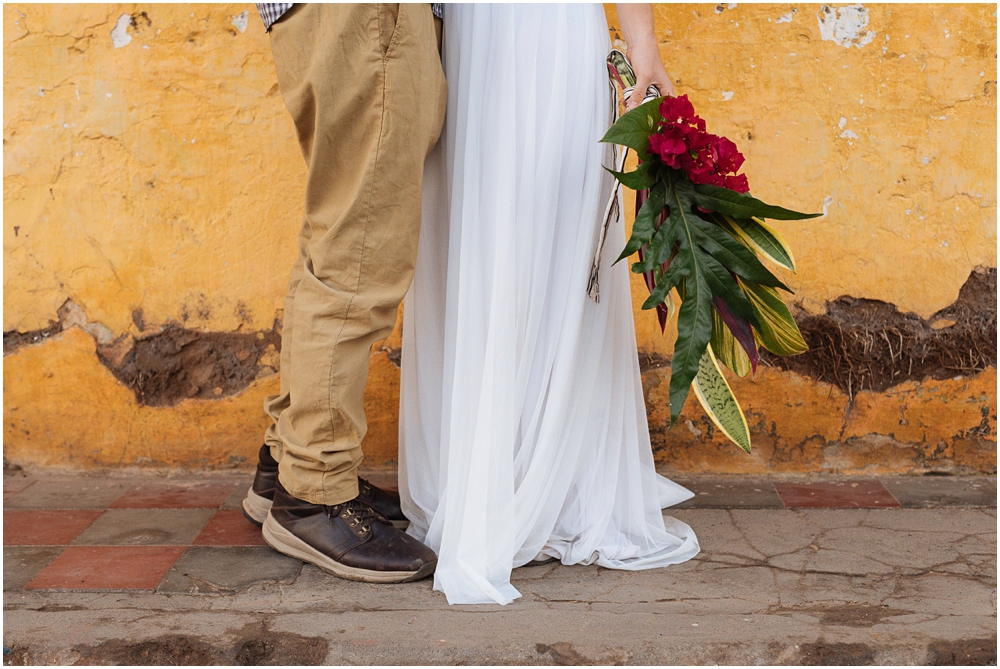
(522, 422)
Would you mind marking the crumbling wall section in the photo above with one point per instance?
(152, 202)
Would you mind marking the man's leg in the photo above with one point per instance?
(365, 89)
(260, 496)
(275, 404)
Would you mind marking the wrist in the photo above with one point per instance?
(643, 45)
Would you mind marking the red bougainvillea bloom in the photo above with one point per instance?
(680, 111)
(682, 143)
(737, 183)
(668, 146)
(726, 155)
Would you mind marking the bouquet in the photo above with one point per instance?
(699, 233)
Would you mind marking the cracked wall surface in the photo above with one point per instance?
(152, 198)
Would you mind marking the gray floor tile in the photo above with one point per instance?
(920, 492)
(77, 492)
(23, 563)
(226, 568)
(12, 485)
(235, 500)
(145, 527)
(729, 493)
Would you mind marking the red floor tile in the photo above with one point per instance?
(108, 567)
(228, 527)
(45, 528)
(175, 496)
(838, 495)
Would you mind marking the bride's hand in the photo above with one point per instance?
(643, 52)
(649, 70)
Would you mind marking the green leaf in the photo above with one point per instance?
(638, 179)
(694, 330)
(767, 241)
(738, 205)
(670, 279)
(758, 236)
(719, 402)
(671, 307)
(644, 226)
(736, 257)
(660, 249)
(722, 284)
(703, 258)
(694, 321)
(775, 328)
(634, 127)
(728, 350)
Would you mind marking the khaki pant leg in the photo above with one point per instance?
(365, 89)
(275, 404)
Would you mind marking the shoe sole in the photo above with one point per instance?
(256, 508)
(285, 542)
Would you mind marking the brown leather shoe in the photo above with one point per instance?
(349, 540)
(385, 502)
(260, 496)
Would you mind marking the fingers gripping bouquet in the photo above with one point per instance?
(699, 234)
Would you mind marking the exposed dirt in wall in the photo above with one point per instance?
(861, 344)
(14, 340)
(177, 364)
(858, 344)
(172, 364)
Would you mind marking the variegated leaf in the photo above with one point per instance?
(757, 235)
(719, 402)
(767, 241)
(727, 349)
(777, 331)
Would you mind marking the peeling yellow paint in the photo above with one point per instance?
(162, 175)
(798, 425)
(152, 176)
(62, 408)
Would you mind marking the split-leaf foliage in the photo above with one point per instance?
(705, 243)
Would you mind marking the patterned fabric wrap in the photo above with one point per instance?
(272, 11)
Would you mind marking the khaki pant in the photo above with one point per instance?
(365, 88)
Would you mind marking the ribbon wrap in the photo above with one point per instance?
(621, 78)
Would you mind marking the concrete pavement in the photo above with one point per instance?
(782, 579)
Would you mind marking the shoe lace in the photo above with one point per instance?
(357, 515)
(365, 487)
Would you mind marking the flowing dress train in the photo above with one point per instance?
(522, 421)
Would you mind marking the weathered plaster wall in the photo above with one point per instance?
(152, 190)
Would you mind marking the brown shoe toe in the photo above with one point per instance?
(395, 550)
(350, 540)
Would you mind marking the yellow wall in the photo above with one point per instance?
(151, 176)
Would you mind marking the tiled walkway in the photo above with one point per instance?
(189, 535)
(147, 569)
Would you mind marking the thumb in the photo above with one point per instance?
(642, 83)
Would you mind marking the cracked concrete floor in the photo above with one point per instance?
(771, 586)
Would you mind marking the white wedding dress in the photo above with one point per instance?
(522, 421)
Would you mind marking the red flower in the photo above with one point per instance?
(682, 143)
(737, 183)
(668, 147)
(679, 110)
(726, 155)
